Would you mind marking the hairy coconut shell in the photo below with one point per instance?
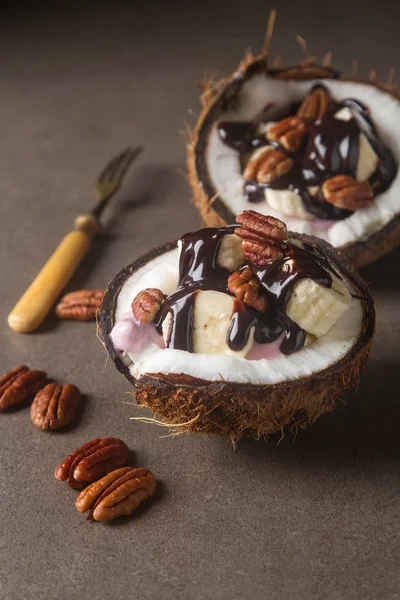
(217, 97)
(238, 410)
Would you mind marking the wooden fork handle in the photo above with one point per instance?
(32, 308)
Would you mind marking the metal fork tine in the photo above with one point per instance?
(110, 179)
(122, 166)
(113, 173)
(110, 166)
(114, 170)
(103, 175)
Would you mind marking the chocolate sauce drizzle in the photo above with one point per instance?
(332, 148)
(199, 271)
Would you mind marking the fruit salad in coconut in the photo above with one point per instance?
(240, 330)
(306, 145)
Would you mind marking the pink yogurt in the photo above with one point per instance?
(323, 225)
(129, 335)
(266, 351)
(318, 224)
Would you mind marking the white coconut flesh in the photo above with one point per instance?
(224, 167)
(162, 273)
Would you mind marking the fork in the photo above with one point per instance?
(32, 308)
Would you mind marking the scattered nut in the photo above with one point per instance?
(55, 406)
(315, 105)
(18, 384)
(268, 166)
(263, 237)
(81, 305)
(146, 304)
(289, 133)
(245, 287)
(92, 461)
(117, 494)
(344, 191)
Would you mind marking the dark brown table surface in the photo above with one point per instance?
(314, 518)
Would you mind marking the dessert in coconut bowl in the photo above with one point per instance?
(242, 330)
(306, 145)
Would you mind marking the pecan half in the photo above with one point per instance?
(18, 384)
(81, 305)
(263, 237)
(146, 304)
(289, 133)
(118, 494)
(344, 191)
(92, 461)
(315, 105)
(55, 406)
(268, 166)
(245, 287)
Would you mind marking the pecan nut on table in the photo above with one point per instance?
(92, 461)
(55, 406)
(117, 494)
(19, 384)
(81, 305)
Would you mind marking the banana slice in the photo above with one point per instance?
(316, 308)
(212, 315)
(166, 326)
(310, 339)
(344, 114)
(230, 253)
(288, 202)
(367, 157)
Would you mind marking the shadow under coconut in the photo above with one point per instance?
(363, 429)
(383, 274)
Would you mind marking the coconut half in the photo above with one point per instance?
(215, 171)
(224, 394)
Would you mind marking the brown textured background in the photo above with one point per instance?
(315, 518)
